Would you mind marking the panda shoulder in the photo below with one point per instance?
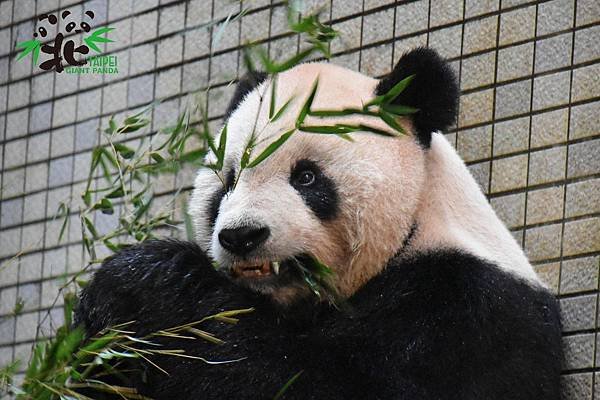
(450, 283)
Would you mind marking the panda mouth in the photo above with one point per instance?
(243, 269)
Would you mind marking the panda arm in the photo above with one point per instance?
(158, 284)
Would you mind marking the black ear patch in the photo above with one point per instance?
(245, 85)
(434, 91)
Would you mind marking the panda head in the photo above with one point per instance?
(350, 204)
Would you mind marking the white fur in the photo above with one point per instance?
(455, 213)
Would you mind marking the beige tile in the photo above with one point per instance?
(509, 173)
(476, 107)
(545, 205)
(582, 236)
(480, 34)
(543, 242)
(517, 25)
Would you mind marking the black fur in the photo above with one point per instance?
(214, 204)
(217, 197)
(434, 91)
(321, 197)
(245, 85)
(442, 325)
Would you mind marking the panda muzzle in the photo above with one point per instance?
(243, 269)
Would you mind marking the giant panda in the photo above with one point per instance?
(434, 297)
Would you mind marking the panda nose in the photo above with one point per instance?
(241, 241)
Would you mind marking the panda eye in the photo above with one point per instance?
(306, 178)
(70, 26)
(318, 191)
(85, 26)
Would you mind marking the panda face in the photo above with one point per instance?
(349, 204)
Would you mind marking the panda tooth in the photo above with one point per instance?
(275, 267)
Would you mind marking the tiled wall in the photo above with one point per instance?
(528, 127)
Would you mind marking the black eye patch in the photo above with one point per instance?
(217, 197)
(316, 189)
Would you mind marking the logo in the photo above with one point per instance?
(61, 53)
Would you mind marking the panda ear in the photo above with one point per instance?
(245, 85)
(434, 91)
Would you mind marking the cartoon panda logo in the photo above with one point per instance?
(61, 48)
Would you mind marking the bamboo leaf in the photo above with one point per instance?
(399, 109)
(221, 149)
(292, 62)
(87, 198)
(397, 89)
(341, 113)
(329, 129)
(105, 206)
(90, 227)
(307, 104)
(390, 120)
(287, 385)
(112, 126)
(372, 129)
(157, 157)
(125, 151)
(280, 112)
(192, 156)
(271, 148)
(133, 127)
(273, 92)
(117, 193)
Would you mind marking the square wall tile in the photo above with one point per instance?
(547, 166)
(582, 196)
(378, 26)
(511, 136)
(513, 99)
(582, 236)
(579, 274)
(584, 120)
(549, 128)
(510, 209)
(545, 205)
(586, 83)
(509, 173)
(480, 34)
(447, 41)
(549, 274)
(587, 11)
(517, 25)
(475, 107)
(551, 90)
(412, 17)
(543, 242)
(553, 53)
(474, 144)
(583, 158)
(478, 70)
(515, 62)
(555, 15)
(446, 11)
(576, 386)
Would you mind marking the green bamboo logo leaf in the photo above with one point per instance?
(96, 37)
(30, 46)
